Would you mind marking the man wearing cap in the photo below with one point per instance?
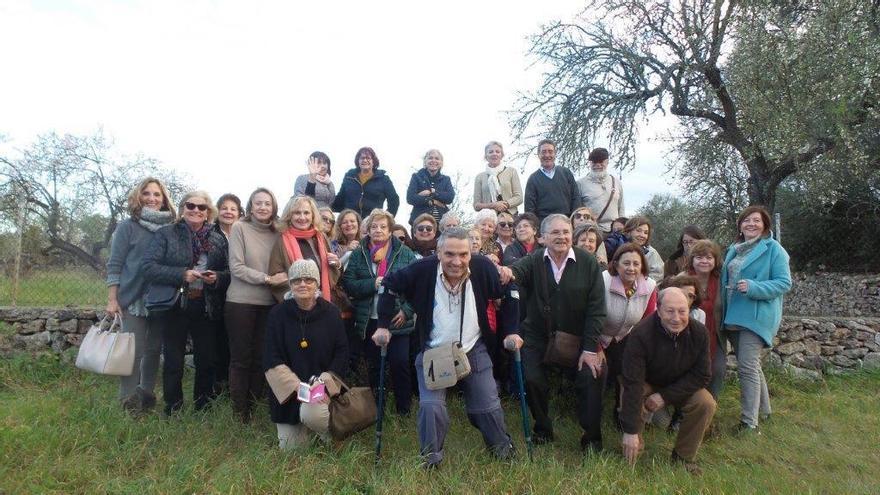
(666, 362)
(305, 338)
(600, 191)
(449, 292)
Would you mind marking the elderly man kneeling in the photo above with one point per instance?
(666, 361)
(305, 338)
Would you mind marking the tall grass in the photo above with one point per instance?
(56, 288)
(61, 431)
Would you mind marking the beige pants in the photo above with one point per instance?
(314, 418)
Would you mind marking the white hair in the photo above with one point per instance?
(486, 214)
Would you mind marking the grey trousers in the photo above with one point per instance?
(147, 348)
(481, 403)
(754, 398)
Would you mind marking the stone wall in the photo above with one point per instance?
(807, 347)
(837, 294)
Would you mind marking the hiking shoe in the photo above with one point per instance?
(689, 466)
(147, 400)
(590, 446)
(505, 452)
(132, 404)
(744, 429)
(542, 438)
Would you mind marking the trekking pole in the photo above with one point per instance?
(381, 415)
(517, 360)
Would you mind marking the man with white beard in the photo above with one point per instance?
(601, 192)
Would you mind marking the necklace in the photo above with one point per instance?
(303, 342)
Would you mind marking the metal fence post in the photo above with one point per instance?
(16, 273)
(778, 221)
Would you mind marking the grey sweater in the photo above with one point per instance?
(323, 194)
(249, 246)
(127, 248)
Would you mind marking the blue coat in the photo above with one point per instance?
(364, 198)
(443, 192)
(769, 276)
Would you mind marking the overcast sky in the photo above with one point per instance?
(237, 94)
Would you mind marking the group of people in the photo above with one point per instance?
(311, 292)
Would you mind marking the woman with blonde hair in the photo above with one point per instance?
(498, 187)
(192, 255)
(149, 207)
(429, 190)
(346, 235)
(249, 299)
(302, 237)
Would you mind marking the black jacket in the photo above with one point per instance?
(363, 199)
(416, 283)
(170, 256)
(676, 366)
(327, 348)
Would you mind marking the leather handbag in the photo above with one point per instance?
(351, 410)
(164, 297)
(106, 349)
(445, 365)
(563, 349)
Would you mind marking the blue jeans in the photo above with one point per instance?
(481, 402)
(754, 398)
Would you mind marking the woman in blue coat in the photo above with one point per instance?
(365, 187)
(754, 278)
(430, 191)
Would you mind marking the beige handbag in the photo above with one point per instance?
(106, 349)
(445, 365)
(351, 410)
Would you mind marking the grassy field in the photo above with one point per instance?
(56, 288)
(62, 432)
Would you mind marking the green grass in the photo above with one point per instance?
(56, 288)
(61, 431)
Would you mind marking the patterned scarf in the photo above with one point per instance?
(364, 177)
(291, 236)
(200, 242)
(494, 184)
(379, 253)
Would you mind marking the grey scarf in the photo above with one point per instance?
(153, 219)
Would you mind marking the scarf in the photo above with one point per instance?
(379, 253)
(530, 246)
(742, 250)
(200, 243)
(153, 219)
(494, 184)
(708, 307)
(291, 246)
(424, 248)
(363, 178)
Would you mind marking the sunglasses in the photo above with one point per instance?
(425, 228)
(298, 281)
(584, 216)
(401, 238)
(505, 225)
(329, 220)
(193, 206)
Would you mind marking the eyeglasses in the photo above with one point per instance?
(583, 216)
(193, 206)
(301, 280)
(329, 220)
(401, 238)
(505, 225)
(425, 228)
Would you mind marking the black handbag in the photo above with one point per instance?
(164, 297)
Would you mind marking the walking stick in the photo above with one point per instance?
(381, 414)
(517, 360)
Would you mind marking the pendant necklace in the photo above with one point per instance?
(303, 343)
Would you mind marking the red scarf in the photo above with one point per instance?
(379, 252)
(708, 306)
(291, 246)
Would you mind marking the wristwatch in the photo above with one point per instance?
(266, 280)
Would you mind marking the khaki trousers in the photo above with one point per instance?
(697, 412)
(313, 418)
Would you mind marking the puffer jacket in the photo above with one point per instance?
(359, 281)
(364, 198)
(170, 256)
(443, 192)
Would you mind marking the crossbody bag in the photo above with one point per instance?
(445, 365)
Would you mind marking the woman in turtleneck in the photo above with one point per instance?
(429, 190)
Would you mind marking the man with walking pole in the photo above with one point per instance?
(449, 292)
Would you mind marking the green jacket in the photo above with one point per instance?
(359, 282)
(576, 304)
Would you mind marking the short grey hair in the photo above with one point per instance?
(549, 219)
(492, 143)
(486, 214)
(662, 294)
(460, 233)
(448, 217)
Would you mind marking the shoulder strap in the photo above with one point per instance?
(610, 197)
(461, 320)
(545, 293)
